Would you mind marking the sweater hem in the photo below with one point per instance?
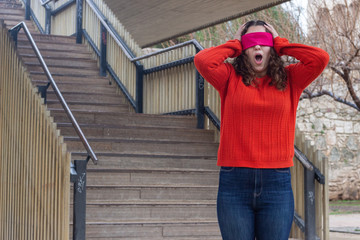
(279, 164)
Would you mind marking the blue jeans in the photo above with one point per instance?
(255, 203)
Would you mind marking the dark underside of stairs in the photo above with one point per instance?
(157, 176)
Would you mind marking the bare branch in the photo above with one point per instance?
(309, 95)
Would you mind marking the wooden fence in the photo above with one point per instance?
(321, 191)
(34, 163)
(174, 89)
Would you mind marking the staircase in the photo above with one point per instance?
(157, 175)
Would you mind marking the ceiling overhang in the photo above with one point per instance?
(153, 21)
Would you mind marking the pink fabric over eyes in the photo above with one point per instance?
(257, 38)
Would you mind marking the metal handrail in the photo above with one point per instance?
(192, 41)
(75, 124)
(46, 2)
(135, 59)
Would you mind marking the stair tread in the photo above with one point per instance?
(82, 153)
(139, 186)
(144, 115)
(149, 221)
(149, 202)
(120, 139)
(126, 126)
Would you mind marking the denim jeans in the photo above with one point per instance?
(255, 203)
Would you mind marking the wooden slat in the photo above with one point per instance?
(34, 197)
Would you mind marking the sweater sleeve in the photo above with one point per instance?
(210, 63)
(313, 61)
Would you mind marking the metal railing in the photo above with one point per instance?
(78, 169)
(200, 110)
(49, 13)
(14, 32)
(311, 173)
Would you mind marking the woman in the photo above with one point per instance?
(259, 98)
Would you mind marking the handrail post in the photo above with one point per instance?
(139, 87)
(200, 109)
(103, 43)
(79, 206)
(309, 195)
(14, 35)
(200, 101)
(27, 10)
(47, 19)
(79, 19)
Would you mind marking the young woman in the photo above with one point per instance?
(259, 98)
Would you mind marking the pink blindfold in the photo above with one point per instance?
(257, 38)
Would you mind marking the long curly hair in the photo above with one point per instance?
(276, 70)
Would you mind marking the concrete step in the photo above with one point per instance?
(51, 62)
(130, 119)
(86, 97)
(146, 161)
(54, 46)
(103, 194)
(99, 87)
(27, 51)
(41, 79)
(124, 146)
(90, 106)
(44, 38)
(12, 5)
(139, 132)
(64, 71)
(150, 211)
(13, 17)
(11, 23)
(11, 9)
(150, 230)
(150, 177)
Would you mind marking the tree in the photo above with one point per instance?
(336, 29)
(287, 24)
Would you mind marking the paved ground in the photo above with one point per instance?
(344, 226)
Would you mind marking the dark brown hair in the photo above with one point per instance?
(276, 70)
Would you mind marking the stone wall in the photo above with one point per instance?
(334, 128)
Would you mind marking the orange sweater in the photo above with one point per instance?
(258, 123)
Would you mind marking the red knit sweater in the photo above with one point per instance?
(258, 123)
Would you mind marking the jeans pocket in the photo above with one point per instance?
(226, 169)
(282, 170)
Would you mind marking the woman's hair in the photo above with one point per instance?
(276, 69)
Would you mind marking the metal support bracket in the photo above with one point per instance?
(309, 195)
(139, 87)
(42, 90)
(79, 18)
(103, 44)
(79, 207)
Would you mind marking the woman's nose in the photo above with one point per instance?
(257, 47)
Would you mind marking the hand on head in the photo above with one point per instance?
(239, 31)
(269, 27)
(271, 30)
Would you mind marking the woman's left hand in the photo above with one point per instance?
(272, 30)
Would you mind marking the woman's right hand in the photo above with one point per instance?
(239, 31)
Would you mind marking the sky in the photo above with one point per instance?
(303, 5)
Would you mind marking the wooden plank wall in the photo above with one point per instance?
(39, 11)
(122, 66)
(321, 191)
(63, 23)
(34, 163)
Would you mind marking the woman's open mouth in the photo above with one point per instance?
(258, 58)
